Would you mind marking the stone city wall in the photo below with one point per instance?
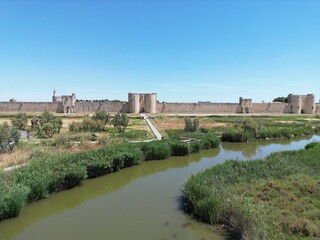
(91, 107)
(197, 108)
(29, 107)
(276, 107)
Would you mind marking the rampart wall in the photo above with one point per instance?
(197, 108)
(91, 107)
(29, 107)
(276, 107)
(80, 107)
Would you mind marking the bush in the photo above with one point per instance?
(7, 133)
(12, 197)
(195, 147)
(204, 130)
(102, 116)
(232, 136)
(178, 148)
(74, 126)
(312, 145)
(156, 150)
(20, 121)
(250, 126)
(191, 125)
(96, 162)
(47, 125)
(120, 121)
(67, 140)
(209, 140)
(49, 174)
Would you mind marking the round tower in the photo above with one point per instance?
(151, 102)
(133, 101)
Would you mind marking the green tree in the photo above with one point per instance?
(120, 121)
(20, 121)
(102, 116)
(48, 125)
(191, 125)
(281, 99)
(7, 133)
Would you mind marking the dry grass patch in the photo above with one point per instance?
(164, 124)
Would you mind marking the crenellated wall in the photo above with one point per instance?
(147, 102)
(273, 107)
(30, 107)
(197, 108)
(91, 107)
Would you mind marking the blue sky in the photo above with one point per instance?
(184, 50)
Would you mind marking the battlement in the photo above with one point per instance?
(147, 102)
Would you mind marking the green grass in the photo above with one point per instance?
(275, 198)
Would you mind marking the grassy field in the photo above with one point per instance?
(68, 141)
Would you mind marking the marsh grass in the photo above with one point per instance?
(49, 173)
(275, 198)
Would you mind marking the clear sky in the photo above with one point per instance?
(184, 50)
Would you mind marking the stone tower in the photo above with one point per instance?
(245, 105)
(142, 102)
(67, 102)
(298, 104)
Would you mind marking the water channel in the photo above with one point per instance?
(139, 203)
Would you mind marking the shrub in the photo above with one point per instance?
(156, 150)
(195, 147)
(47, 125)
(178, 148)
(204, 130)
(48, 174)
(120, 121)
(74, 126)
(312, 145)
(7, 133)
(67, 140)
(209, 140)
(249, 126)
(12, 197)
(232, 136)
(191, 125)
(20, 121)
(95, 161)
(102, 116)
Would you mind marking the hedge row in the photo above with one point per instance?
(47, 174)
(271, 132)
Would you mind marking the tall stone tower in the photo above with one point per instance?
(142, 102)
(301, 104)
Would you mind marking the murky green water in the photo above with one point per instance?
(143, 202)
